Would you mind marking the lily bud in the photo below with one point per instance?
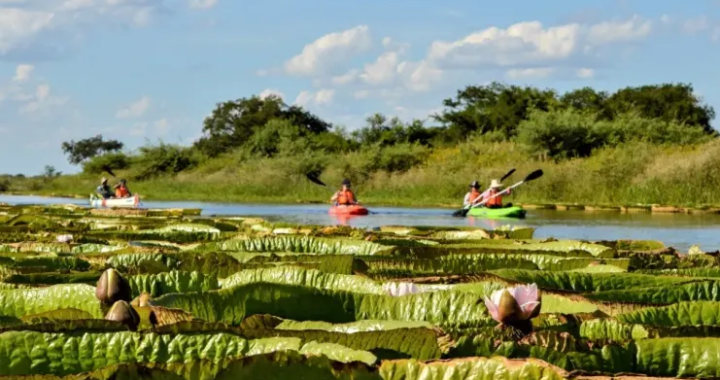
(512, 305)
(112, 287)
(122, 312)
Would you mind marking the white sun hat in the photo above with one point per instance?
(495, 184)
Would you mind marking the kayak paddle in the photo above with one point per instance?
(463, 212)
(530, 177)
(313, 177)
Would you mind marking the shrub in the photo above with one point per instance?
(561, 134)
(163, 159)
(4, 185)
(402, 157)
(632, 127)
(114, 161)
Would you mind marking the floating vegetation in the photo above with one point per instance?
(165, 294)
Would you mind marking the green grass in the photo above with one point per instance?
(626, 175)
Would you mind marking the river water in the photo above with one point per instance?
(676, 230)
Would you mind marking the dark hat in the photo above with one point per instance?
(346, 182)
(475, 185)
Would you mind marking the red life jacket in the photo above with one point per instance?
(494, 202)
(345, 197)
(474, 194)
(122, 192)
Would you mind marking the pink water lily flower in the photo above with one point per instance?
(520, 303)
(400, 289)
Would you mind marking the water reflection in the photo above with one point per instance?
(676, 230)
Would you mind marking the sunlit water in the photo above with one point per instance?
(675, 230)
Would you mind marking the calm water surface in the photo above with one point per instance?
(676, 230)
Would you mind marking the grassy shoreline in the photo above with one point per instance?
(629, 175)
(559, 207)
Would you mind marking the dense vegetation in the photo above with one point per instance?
(160, 294)
(649, 144)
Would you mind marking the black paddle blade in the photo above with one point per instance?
(108, 169)
(507, 175)
(534, 175)
(313, 177)
(461, 212)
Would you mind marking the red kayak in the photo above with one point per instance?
(348, 210)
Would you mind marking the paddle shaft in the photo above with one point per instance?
(473, 204)
(508, 174)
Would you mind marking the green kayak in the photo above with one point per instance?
(505, 212)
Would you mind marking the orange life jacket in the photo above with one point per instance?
(474, 194)
(122, 192)
(345, 197)
(494, 202)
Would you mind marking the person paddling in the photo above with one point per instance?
(344, 197)
(494, 189)
(121, 190)
(473, 194)
(104, 190)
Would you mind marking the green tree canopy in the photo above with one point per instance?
(233, 123)
(83, 150)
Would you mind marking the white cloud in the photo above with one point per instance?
(326, 52)
(23, 72)
(202, 4)
(321, 97)
(585, 73)
(19, 25)
(346, 78)
(422, 76)
(271, 91)
(538, 72)
(42, 92)
(324, 96)
(135, 109)
(532, 44)
(518, 44)
(382, 71)
(614, 31)
(42, 100)
(696, 25)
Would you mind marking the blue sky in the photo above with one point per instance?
(148, 70)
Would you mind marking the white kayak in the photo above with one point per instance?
(133, 201)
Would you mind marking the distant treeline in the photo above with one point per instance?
(548, 124)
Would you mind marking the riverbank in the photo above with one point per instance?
(625, 176)
(633, 209)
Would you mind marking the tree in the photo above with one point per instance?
(587, 100)
(50, 172)
(386, 132)
(668, 102)
(88, 148)
(233, 123)
(492, 108)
